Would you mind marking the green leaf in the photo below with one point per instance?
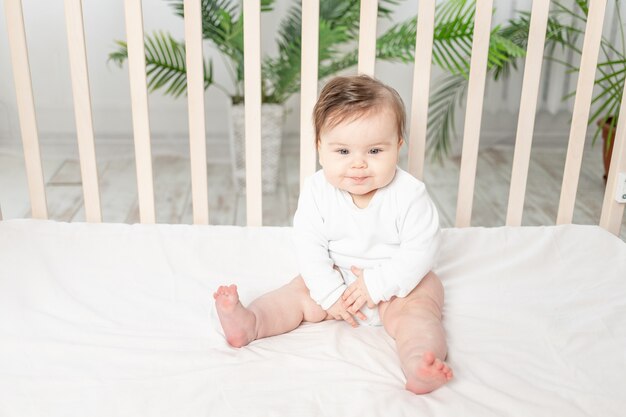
(165, 64)
(120, 55)
(447, 95)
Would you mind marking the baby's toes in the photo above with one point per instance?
(221, 291)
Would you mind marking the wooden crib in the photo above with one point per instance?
(111, 319)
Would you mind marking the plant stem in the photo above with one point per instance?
(231, 74)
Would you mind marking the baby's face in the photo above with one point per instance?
(360, 156)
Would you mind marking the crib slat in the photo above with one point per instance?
(421, 87)
(308, 89)
(252, 87)
(367, 37)
(612, 211)
(527, 111)
(82, 109)
(582, 105)
(473, 114)
(26, 107)
(195, 99)
(139, 99)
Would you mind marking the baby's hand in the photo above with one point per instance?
(356, 295)
(339, 312)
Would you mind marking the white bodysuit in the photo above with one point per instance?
(394, 239)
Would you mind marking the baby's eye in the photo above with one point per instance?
(375, 151)
(343, 151)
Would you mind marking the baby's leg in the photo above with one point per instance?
(276, 312)
(415, 323)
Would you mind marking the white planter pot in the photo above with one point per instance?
(272, 120)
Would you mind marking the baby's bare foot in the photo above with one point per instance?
(237, 321)
(430, 373)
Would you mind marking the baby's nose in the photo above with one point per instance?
(359, 162)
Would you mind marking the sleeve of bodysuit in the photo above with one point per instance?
(316, 267)
(418, 225)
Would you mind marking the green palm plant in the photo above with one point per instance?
(222, 24)
(566, 26)
(452, 45)
(338, 33)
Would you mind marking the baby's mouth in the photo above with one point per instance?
(358, 180)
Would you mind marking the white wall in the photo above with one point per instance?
(104, 22)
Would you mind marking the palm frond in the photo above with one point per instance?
(447, 95)
(398, 42)
(611, 65)
(120, 55)
(339, 23)
(503, 54)
(452, 40)
(165, 64)
(452, 48)
(282, 73)
(222, 25)
(452, 37)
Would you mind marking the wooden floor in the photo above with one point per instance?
(227, 206)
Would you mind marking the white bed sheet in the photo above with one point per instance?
(118, 320)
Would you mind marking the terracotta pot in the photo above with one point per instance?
(607, 151)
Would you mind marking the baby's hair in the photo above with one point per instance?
(351, 97)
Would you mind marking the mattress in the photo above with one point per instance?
(118, 320)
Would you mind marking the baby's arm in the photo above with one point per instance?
(325, 283)
(418, 226)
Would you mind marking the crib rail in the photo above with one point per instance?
(308, 91)
(252, 86)
(82, 108)
(418, 119)
(582, 105)
(139, 100)
(26, 108)
(528, 108)
(473, 115)
(612, 212)
(195, 96)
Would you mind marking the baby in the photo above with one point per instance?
(367, 235)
